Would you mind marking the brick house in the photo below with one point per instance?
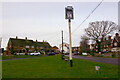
(106, 44)
(110, 44)
(26, 46)
(56, 49)
(75, 49)
(116, 43)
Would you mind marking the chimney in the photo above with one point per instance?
(109, 38)
(117, 35)
(25, 38)
(16, 37)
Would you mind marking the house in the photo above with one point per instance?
(116, 43)
(75, 49)
(106, 44)
(26, 45)
(109, 44)
(56, 49)
(92, 46)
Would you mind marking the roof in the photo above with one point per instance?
(55, 47)
(24, 42)
(118, 39)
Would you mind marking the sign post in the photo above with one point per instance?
(69, 16)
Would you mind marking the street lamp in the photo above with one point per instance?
(69, 16)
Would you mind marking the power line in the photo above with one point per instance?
(54, 36)
(87, 16)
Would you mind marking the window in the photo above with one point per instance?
(27, 46)
(21, 46)
(115, 44)
(96, 46)
(32, 46)
(111, 44)
(37, 47)
(41, 47)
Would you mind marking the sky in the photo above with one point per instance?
(46, 20)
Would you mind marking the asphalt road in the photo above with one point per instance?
(114, 61)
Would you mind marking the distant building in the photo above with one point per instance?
(75, 49)
(91, 47)
(110, 44)
(116, 43)
(56, 49)
(27, 46)
(106, 44)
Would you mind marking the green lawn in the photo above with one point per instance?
(17, 56)
(54, 67)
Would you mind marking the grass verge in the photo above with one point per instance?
(54, 67)
(17, 56)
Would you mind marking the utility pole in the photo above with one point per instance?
(62, 46)
(0, 41)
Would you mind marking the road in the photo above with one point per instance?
(113, 61)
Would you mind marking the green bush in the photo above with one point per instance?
(113, 55)
(92, 54)
(99, 55)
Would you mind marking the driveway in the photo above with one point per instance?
(113, 61)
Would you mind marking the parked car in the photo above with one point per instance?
(75, 53)
(35, 53)
(66, 53)
(51, 53)
(84, 54)
(20, 53)
(56, 53)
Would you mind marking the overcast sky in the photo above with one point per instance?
(45, 20)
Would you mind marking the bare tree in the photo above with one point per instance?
(100, 29)
(84, 47)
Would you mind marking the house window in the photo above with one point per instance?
(96, 46)
(41, 47)
(115, 44)
(37, 47)
(111, 44)
(21, 46)
(107, 45)
(27, 46)
(32, 46)
(104, 46)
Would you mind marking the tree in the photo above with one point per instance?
(100, 29)
(84, 47)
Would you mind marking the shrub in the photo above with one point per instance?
(113, 55)
(99, 55)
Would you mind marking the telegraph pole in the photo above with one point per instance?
(0, 41)
(62, 46)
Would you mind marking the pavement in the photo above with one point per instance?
(114, 61)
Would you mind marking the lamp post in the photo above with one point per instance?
(69, 16)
